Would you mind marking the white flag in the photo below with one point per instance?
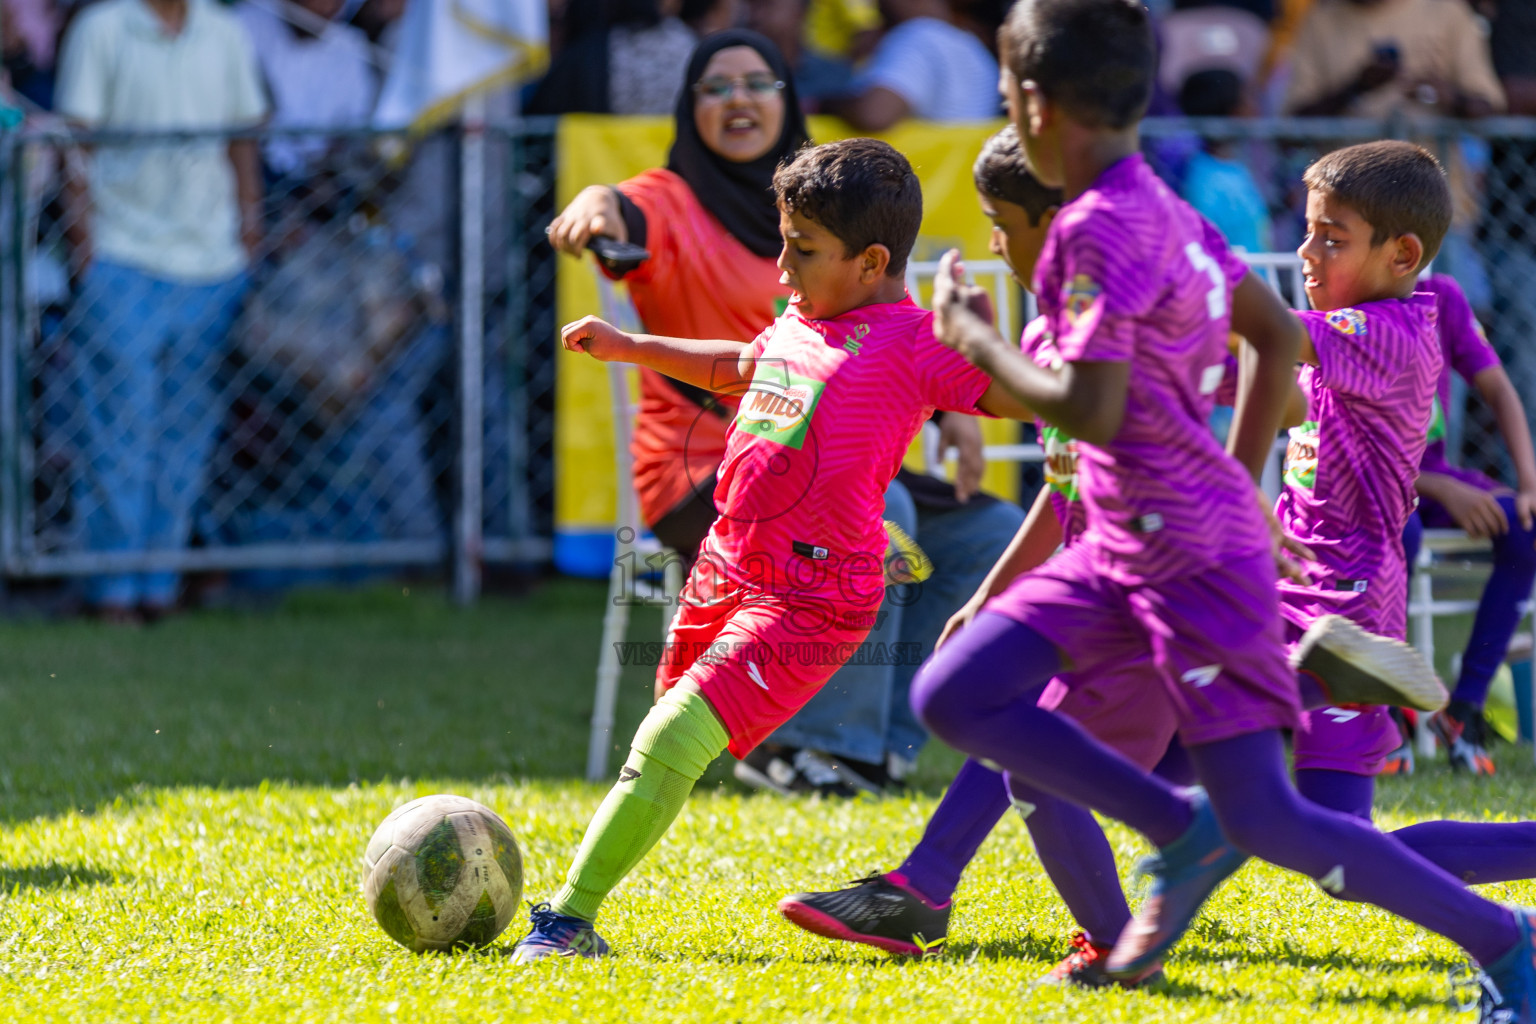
(451, 49)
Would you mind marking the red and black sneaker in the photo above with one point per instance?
(1461, 729)
(1084, 966)
(879, 910)
(1400, 761)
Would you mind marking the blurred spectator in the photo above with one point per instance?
(161, 251)
(842, 29)
(379, 21)
(1208, 54)
(706, 17)
(924, 67)
(1507, 235)
(816, 77)
(1216, 183)
(620, 57)
(1264, 10)
(981, 18)
(31, 33)
(316, 79)
(1372, 58)
(1512, 41)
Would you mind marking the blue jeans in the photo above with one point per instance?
(864, 711)
(149, 350)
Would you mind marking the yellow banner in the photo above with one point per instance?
(601, 150)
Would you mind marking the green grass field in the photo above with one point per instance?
(182, 812)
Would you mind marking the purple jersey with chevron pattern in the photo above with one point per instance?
(1465, 349)
(1350, 468)
(1131, 273)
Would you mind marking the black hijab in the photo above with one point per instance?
(739, 195)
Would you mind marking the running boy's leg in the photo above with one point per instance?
(750, 674)
(1243, 769)
(1263, 814)
(1476, 852)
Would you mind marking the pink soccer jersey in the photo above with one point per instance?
(833, 406)
(1131, 273)
(1464, 348)
(1350, 468)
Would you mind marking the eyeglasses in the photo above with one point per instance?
(718, 88)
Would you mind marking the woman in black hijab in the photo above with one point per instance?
(710, 223)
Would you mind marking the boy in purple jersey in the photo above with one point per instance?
(1450, 496)
(1070, 844)
(1176, 552)
(1372, 364)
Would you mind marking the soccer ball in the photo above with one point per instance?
(442, 872)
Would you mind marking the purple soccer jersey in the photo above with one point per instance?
(1350, 468)
(1130, 273)
(1175, 558)
(1465, 349)
(1349, 475)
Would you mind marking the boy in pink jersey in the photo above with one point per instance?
(1176, 550)
(1451, 496)
(792, 571)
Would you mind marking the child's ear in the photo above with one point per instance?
(1038, 113)
(1407, 255)
(872, 263)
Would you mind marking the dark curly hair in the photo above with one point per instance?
(861, 190)
(1399, 189)
(1002, 173)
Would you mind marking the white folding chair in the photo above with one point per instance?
(637, 555)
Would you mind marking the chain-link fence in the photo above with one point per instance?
(271, 372)
(292, 400)
(1490, 251)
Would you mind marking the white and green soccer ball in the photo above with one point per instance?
(442, 872)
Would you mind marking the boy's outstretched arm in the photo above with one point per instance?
(1086, 399)
(716, 365)
(1276, 339)
(1509, 412)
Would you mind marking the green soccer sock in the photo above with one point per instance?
(675, 743)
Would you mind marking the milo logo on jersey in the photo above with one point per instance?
(1436, 423)
(1060, 461)
(780, 409)
(1301, 456)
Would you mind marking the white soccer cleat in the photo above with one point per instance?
(1359, 667)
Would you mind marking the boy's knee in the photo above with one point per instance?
(930, 703)
(682, 732)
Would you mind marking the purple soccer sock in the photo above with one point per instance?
(1498, 613)
(1477, 852)
(978, 692)
(971, 808)
(1264, 815)
(1078, 858)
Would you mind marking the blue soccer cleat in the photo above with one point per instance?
(1508, 985)
(1184, 874)
(558, 935)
